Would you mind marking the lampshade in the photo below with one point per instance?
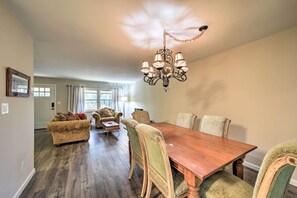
(159, 63)
(179, 60)
(185, 69)
(145, 67)
(152, 72)
(179, 56)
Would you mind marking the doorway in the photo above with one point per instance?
(44, 104)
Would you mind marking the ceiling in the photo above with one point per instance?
(107, 40)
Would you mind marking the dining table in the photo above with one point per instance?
(198, 155)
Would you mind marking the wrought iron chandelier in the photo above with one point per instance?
(164, 67)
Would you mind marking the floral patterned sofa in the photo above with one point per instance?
(106, 114)
(68, 128)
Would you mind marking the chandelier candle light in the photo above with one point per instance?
(164, 67)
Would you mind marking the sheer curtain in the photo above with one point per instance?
(116, 94)
(120, 91)
(76, 98)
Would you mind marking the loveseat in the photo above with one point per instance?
(69, 129)
(104, 115)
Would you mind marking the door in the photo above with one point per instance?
(44, 104)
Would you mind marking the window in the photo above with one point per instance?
(91, 100)
(105, 99)
(96, 99)
(42, 92)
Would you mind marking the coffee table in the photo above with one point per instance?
(110, 126)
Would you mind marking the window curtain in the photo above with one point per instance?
(120, 91)
(116, 94)
(76, 98)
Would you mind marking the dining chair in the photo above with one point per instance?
(141, 117)
(137, 154)
(186, 120)
(169, 181)
(215, 125)
(272, 180)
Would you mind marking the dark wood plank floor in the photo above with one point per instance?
(97, 168)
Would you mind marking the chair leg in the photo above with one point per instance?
(131, 168)
(149, 188)
(144, 182)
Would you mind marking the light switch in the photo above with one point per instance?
(4, 108)
(59, 102)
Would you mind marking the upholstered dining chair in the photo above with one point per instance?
(137, 154)
(272, 180)
(215, 125)
(169, 181)
(186, 120)
(141, 117)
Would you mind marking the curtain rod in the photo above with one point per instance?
(106, 86)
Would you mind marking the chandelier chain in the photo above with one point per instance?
(186, 40)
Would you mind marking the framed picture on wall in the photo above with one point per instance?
(17, 83)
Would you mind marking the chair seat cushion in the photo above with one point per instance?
(224, 184)
(108, 119)
(180, 185)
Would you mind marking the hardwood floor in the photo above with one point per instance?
(97, 168)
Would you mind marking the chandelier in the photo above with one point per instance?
(164, 67)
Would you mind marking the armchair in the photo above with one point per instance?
(106, 114)
(272, 180)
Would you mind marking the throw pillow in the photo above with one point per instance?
(82, 116)
(60, 117)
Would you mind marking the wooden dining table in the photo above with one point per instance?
(199, 155)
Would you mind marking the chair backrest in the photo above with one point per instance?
(186, 120)
(133, 136)
(215, 125)
(159, 169)
(276, 170)
(141, 117)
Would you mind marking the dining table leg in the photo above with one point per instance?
(193, 184)
(238, 167)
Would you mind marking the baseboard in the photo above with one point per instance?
(251, 166)
(25, 183)
(293, 182)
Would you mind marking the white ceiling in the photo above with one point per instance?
(107, 40)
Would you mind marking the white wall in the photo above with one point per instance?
(255, 85)
(16, 128)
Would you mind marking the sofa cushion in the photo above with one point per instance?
(72, 117)
(105, 112)
(65, 126)
(108, 119)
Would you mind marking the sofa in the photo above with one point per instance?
(69, 129)
(104, 115)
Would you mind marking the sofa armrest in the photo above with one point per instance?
(96, 115)
(117, 115)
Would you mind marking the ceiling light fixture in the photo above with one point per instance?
(164, 65)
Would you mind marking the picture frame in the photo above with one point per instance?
(17, 83)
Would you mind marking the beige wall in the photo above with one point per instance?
(255, 85)
(16, 128)
(61, 88)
